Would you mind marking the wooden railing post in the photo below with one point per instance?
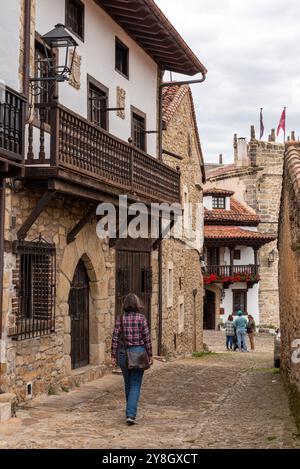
(54, 138)
(131, 166)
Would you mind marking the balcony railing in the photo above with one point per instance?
(12, 125)
(78, 145)
(227, 274)
(226, 270)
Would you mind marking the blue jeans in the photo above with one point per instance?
(241, 337)
(133, 382)
(229, 341)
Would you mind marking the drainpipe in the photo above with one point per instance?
(195, 292)
(2, 219)
(26, 63)
(160, 289)
(160, 250)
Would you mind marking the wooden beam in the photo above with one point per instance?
(40, 207)
(90, 214)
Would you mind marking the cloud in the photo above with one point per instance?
(251, 51)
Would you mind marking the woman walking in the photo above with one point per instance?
(230, 332)
(251, 328)
(131, 334)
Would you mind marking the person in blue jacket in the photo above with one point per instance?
(240, 325)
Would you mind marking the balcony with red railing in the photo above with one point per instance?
(228, 274)
(12, 129)
(85, 152)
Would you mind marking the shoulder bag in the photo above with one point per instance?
(134, 360)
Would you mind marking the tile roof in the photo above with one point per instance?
(150, 28)
(292, 165)
(236, 234)
(172, 97)
(237, 215)
(224, 169)
(218, 191)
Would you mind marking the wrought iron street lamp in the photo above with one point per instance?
(61, 68)
(272, 257)
(57, 63)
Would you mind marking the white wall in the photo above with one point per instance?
(247, 256)
(207, 202)
(98, 60)
(9, 43)
(252, 300)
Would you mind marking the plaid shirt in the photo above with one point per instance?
(136, 332)
(229, 328)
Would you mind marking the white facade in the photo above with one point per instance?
(10, 43)
(208, 202)
(98, 60)
(252, 300)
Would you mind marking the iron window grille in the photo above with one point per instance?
(218, 202)
(97, 107)
(35, 288)
(139, 131)
(75, 17)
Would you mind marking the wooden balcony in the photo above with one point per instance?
(88, 156)
(12, 130)
(227, 274)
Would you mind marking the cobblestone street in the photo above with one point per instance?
(222, 400)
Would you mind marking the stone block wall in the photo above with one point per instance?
(187, 276)
(289, 292)
(181, 139)
(45, 361)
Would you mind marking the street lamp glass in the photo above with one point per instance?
(59, 38)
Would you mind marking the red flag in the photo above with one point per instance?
(282, 122)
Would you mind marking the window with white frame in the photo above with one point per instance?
(170, 284)
(180, 314)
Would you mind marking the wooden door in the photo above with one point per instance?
(79, 312)
(209, 316)
(134, 275)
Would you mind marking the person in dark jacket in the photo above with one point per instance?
(131, 327)
(251, 328)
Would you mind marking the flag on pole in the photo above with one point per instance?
(262, 127)
(282, 122)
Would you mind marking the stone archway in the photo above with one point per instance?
(88, 249)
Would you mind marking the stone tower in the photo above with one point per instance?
(256, 178)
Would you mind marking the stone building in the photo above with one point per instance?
(256, 179)
(65, 149)
(182, 275)
(231, 244)
(289, 275)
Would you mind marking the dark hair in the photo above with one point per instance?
(132, 304)
(230, 317)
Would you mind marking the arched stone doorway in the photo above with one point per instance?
(79, 311)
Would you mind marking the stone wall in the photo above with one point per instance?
(289, 278)
(46, 361)
(259, 186)
(181, 138)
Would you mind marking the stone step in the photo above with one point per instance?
(5, 411)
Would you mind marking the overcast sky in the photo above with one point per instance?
(252, 52)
